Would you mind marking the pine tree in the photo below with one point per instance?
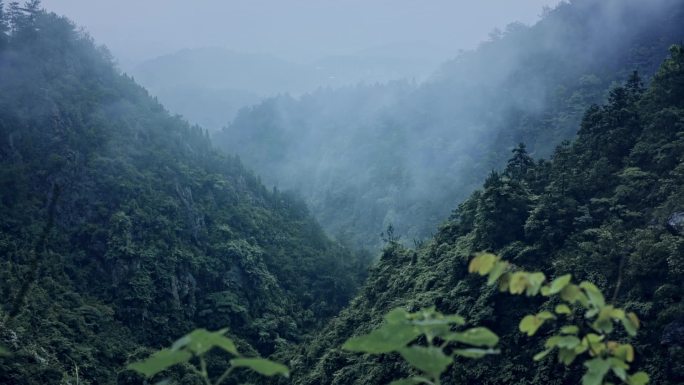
(520, 165)
(4, 26)
(15, 16)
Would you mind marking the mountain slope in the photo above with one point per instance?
(154, 234)
(607, 208)
(408, 161)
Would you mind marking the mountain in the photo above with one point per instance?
(208, 86)
(403, 156)
(122, 227)
(607, 208)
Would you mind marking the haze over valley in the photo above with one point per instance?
(350, 192)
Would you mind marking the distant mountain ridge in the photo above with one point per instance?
(210, 85)
(406, 163)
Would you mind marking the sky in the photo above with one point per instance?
(297, 30)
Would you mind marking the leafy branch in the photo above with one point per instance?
(426, 340)
(591, 320)
(195, 346)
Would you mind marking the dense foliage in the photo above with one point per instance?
(121, 228)
(154, 233)
(404, 154)
(606, 208)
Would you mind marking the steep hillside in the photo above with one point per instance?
(407, 162)
(122, 228)
(607, 207)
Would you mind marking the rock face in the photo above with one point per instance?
(675, 223)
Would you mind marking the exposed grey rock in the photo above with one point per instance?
(675, 223)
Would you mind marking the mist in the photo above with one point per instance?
(385, 112)
(405, 153)
(208, 60)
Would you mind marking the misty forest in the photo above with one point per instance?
(358, 192)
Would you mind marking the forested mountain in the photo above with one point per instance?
(121, 227)
(607, 207)
(405, 155)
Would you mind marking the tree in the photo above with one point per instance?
(520, 165)
(4, 26)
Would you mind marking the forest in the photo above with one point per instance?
(515, 218)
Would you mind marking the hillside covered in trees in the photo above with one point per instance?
(606, 208)
(125, 231)
(122, 228)
(404, 154)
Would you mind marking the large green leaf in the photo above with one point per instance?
(388, 338)
(631, 323)
(160, 361)
(200, 341)
(478, 336)
(430, 360)
(482, 263)
(595, 296)
(597, 368)
(530, 324)
(559, 284)
(398, 315)
(497, 271)
(262, 366)
(640, 378)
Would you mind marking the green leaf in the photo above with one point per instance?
(640, 378)
(594, 294)
(518, 282)
(559, 284)
(262, 366)
(631, 324)
(4, 352)
(597, 369)
(572, 293)
(570, 329)
(388, 338)
(160, 361)
(545, 315)
(474, 352)
(539, 356)
(563, 309)
(530, 324)
(534, 283)
(566, 356)
(200, 341)
(569, 342)
(624, 352)
(482, 263)
(497, 271)
(478, 336)
(430, 360)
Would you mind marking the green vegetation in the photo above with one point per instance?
(603, 209)
(122, 228)
(155, 233)
(401, 328)
(196, 345)
(598, 320)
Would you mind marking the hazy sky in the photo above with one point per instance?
(136, 30)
